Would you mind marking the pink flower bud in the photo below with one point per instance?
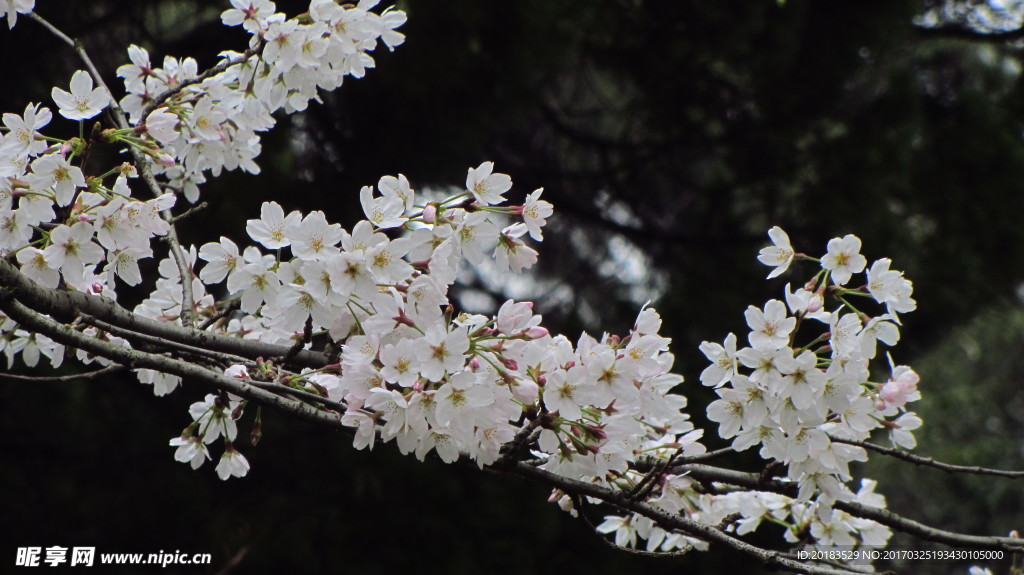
(165, 160)
(536, 332)
(96, 289)
(879, 404)
(430, 213)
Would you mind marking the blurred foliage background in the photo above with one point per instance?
(669, 134)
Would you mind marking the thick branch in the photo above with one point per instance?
(65, 306)
(135, 359)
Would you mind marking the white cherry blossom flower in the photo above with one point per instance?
(723, 362)
(84, 101)
(770, 328)
(779, 255)
(191, 450)
(271, 229)
(535, 214)
(843, 258)
(487, 188)
(232, 464)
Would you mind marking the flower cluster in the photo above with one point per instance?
(67, 229)
(375, 298)
(214, 123)
(415, 374)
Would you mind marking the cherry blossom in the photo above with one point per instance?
(83, 101)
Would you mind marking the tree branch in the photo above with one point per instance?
(65, 306)
(928, 461)
(60, 378)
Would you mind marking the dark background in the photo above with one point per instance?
(669, 135)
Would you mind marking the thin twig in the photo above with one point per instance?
(928, 461)
(223, 313)
(198, 207)
(113, 368)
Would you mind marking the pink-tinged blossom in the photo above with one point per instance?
(779, 255)
(237, 371)
(843, 258)
(901, 387)
(84, 101)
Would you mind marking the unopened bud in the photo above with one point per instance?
(430, 213)
(536, 332)
(526, 392)
(257, 431)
